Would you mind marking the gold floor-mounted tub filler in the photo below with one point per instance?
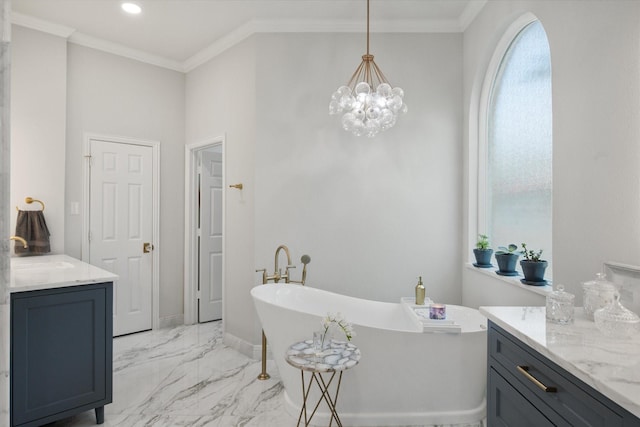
(276, 277)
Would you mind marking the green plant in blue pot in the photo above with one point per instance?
(507, 259)
(483, 252)
(533, 267)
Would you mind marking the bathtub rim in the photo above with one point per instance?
(418, 327)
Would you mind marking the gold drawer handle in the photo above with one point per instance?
(524, 370)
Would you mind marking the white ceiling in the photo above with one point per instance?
(181, 34)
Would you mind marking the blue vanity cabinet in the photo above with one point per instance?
(61, 353)
(524, 388)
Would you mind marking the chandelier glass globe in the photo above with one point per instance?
(367, 110)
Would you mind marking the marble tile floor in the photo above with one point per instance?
(186, 376)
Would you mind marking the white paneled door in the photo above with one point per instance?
(121, 228)
(210, 256)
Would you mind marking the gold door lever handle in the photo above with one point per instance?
(524, 370)
(147, 247)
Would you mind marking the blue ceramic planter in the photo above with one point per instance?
(507, 263)
(533, 271)
(483, 257)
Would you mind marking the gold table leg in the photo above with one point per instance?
(305, 395)
(326, 396)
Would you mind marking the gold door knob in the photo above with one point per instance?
(147, 247)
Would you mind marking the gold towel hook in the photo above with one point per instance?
(29, 200)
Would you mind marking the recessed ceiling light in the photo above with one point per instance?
(131, 8)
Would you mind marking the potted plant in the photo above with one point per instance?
(507, 258)
(533, 267)
(482, 252)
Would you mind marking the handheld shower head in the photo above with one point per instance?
(305, 259)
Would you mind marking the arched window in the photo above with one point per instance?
(519, 146)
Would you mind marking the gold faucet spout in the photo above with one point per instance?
(276, 272)
(21, 240)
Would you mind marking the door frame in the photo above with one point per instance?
(191, 227)
(155, 177)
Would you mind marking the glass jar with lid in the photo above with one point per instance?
(597, 294)
(560, 306)
(616, 321)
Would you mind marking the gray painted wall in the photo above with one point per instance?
(38, 127)
(112, 95)
(63, 90)
(221, 100)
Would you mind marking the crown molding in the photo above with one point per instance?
(28, 21)
(469, 13)
(127, 52)
(250, 28)
(81, 39)
(312, 26)
(236, 36)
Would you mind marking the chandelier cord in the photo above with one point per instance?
(367, 27)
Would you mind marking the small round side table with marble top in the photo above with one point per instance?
(335, 359)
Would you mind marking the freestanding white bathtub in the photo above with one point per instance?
(405, 376)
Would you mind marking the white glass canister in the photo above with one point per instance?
(560, 306)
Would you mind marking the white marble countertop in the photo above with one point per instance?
(609, 365)
(53, 271)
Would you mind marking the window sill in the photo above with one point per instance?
(512, 280)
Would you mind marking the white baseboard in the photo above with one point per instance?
(171, 321)
(245, 347)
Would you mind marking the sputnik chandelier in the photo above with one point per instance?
(368, 103)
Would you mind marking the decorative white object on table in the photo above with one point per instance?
(330, 322)
(338, 321)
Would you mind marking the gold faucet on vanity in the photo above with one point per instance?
(21, 240)
(276, 277)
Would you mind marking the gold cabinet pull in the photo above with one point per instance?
(524, 370)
